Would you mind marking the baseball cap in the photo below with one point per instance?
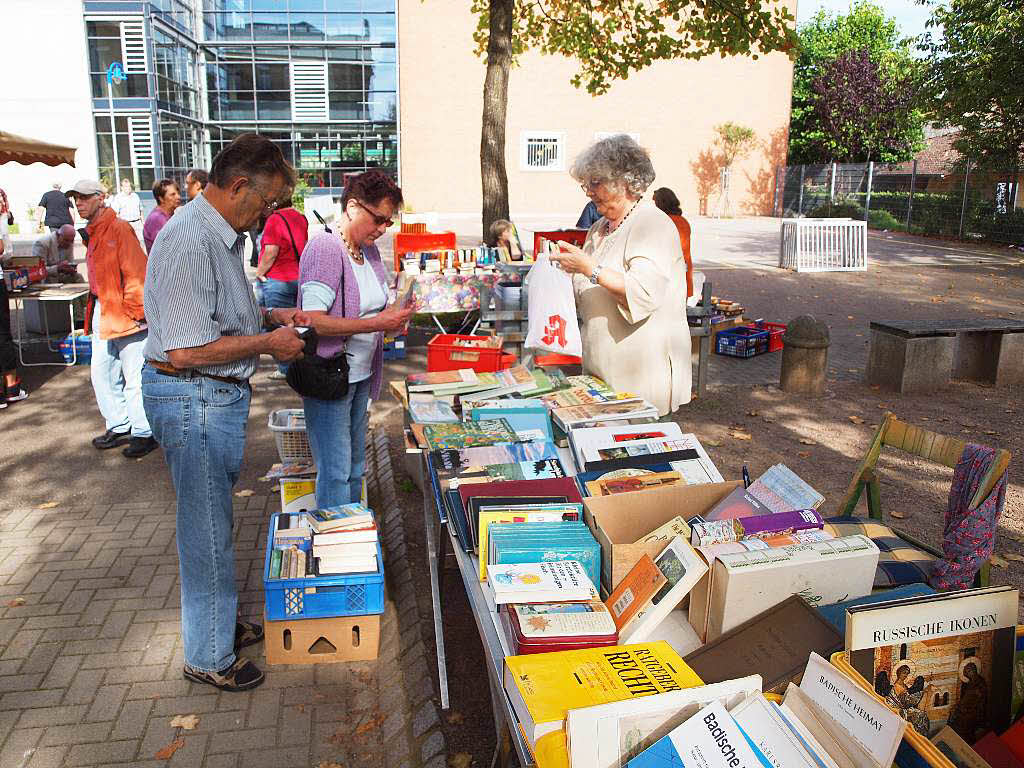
(86, 187)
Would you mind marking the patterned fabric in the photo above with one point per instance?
(969, 534)
(436, 293)
(899, 563)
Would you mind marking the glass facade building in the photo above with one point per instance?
(318, 77)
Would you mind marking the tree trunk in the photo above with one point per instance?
(493, 177)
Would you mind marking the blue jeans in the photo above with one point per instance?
(116, 371)
(281, 294)
(337, 437)
(200, 424)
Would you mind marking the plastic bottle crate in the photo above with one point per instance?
(775, 329)
(742, 342)
(81, 344)
(443, 354)
(318, 597)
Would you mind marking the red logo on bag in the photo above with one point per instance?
(554, 331)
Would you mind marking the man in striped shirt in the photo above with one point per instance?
(204, 345)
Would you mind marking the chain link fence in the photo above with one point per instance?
(954, 201)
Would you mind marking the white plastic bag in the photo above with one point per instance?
(551, 313)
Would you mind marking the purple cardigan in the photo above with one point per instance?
(323, 260)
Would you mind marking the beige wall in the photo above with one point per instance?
(672, 107)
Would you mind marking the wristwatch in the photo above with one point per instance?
(596, 274)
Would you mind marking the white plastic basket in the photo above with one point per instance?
(289, 428)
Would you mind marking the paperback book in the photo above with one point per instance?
(539, 513)
(682, 568)
(546, 582)
(468, 434)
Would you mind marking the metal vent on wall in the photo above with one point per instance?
(542, 151)
(309, 91)
(140, 140)
(133, 47)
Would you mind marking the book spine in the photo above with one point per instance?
(761, 526)
(275, 564)
(286, 562)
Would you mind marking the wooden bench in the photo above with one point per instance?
(922, 355)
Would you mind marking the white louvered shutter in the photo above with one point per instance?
(309, 91)
(140, 139)
(133, 48)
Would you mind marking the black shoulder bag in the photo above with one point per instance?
(324, 378)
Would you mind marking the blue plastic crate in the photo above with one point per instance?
(318, 597)
(742, 342)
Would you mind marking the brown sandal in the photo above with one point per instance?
(243, 675)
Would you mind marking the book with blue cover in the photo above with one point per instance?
(512, 543)
(709, 739)
(529, 419)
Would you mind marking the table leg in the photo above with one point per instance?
(430, 520)
(503, 738)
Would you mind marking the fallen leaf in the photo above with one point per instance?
(370, 725)
(713, 443)
(1013, 557)
(849, 317)
(170, 749)
(807, 441)
(460, 760)
(16, 602)
(803, 454)
(188, 722)
(898, 515)
(767, 419)
(740, 435)
(275, 488)
(856, 419)
(300, 707)
(751, 413)
(991, 432)
(455, 717)
(245, 492)
(998, 562)
(48, 505)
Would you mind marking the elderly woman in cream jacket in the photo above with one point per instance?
(629, 279)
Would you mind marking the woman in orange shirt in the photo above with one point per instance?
(667, 201)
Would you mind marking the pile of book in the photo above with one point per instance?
(652, 613)
(325, 542)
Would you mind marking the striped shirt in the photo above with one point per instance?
(196, 290)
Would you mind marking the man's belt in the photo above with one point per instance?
(188, 373)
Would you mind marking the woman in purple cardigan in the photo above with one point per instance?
(343, 287)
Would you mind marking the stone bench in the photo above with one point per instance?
(922, 356)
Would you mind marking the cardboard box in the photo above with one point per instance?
(619, 520)
(741, 585)
(322, 641)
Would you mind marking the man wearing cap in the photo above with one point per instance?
(55, 251)
(117, 270)
(205, 342)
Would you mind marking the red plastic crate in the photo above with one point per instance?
(444, 355)
(554, 358)
(574, 236)
(775, 332)
(415, 242)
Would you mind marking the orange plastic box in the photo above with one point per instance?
(443, 354)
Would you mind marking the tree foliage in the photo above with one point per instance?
(977, 77)
(735, 140)
(611, 38)
(852, 71)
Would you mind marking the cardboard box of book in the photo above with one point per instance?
(621, 522)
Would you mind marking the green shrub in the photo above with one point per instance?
(840, 210)
(882, 219)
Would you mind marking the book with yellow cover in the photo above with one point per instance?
(543, 687)
(635, 592)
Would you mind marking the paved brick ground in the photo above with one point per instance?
(91, 656)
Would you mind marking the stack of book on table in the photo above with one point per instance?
(653, 614)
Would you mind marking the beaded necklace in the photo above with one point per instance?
(609, 233)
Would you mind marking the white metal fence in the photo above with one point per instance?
(824, 245)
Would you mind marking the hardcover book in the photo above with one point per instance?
(543, 687)
(547, 627)
(438, 381)
(610, 735)
(540, 513)
(776, 643)
(666, 532)
(943, 659)
(958, 751)
(432, 412)
(760, 526)
(571, 416)
(682, 568)
(544, 542)
(468, 434)
(340, 517)
(547, 582)
(629, 480)
(635, 592)
(520, 470)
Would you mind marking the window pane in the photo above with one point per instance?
(381, 27)
(347, 26)
(270, 26)
(383, 107)
(385, 6)
(345, 77)
(103, 29)
(272, 53)
(237, 106)
(102, 52)
(307, 26)
(135, 86)
(382, 77)
(344, 53)
(237, 77)
(234, 25)
(305, 5)
(228, 5)
(347, 105)
(267, 5)
(343, 6)
(274, 105)
(272, 77)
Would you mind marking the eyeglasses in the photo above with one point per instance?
(590, 186)
(268, 205)
(377, 218)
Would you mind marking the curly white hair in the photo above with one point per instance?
(615, 160)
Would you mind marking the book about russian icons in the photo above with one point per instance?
(543, 687)
(938, 660)
(610, 735)
(468, 434)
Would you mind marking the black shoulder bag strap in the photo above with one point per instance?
(291, 237)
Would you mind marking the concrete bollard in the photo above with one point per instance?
(804, 356)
